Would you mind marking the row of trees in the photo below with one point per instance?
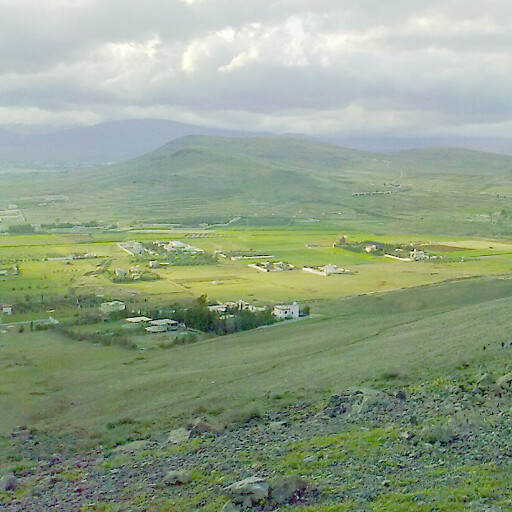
(197, 316)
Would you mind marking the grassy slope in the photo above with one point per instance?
(416, 333)
(210, 178)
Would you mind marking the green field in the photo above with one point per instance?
(421, 332)
(232, 280)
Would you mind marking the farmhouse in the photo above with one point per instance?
(417, 255)
(267, 266)
(176, 245)
(111, 307)
(282, 312)
(138, 319)
(155, 329)
(6, 309)
(326, 270)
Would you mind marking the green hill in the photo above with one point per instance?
(199, 179)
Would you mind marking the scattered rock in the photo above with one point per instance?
(177, 477)
(8, 483)
(202, 425)
(368, 399)
(249, 491)
(178, 436)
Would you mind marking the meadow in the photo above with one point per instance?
(412, 334)
(233, 280)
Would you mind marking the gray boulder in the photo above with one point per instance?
(204, 424)
(8, 483)
(177, 477)
(248, 492)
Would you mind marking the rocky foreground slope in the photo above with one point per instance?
(439, 445)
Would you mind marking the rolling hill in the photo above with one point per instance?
(198, 179)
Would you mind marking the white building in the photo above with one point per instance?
(283, 312)
(111, 307)
(6, 309)
(416, 255)
(138, 319)
(326, 270)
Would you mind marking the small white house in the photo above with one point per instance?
(283, 312)
(6, 309)
(138, 320)
(417, 255)
(111, 307)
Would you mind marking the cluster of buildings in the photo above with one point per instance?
(13, 271)
(132, 248)
(326, 270)
(266, 266)
(177, 246)
(137, 248)
(150, 325)
(281, 311)
(155, 326)
(239, 305)
(414, 255)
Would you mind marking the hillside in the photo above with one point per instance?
(200, 179)
(399, 401)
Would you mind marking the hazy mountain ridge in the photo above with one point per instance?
(103, 143)
(117, 141)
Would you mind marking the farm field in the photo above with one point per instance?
(42, 274)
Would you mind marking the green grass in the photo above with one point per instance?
(209, 179)
(51, 381)
(40, 278)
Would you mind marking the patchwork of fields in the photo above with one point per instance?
(41, 273)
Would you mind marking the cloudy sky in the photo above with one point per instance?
(423, 67)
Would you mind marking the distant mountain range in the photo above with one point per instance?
(103, 143)
(121, 140)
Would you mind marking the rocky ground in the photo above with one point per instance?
(441, 445)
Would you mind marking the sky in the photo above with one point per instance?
(319, 67)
